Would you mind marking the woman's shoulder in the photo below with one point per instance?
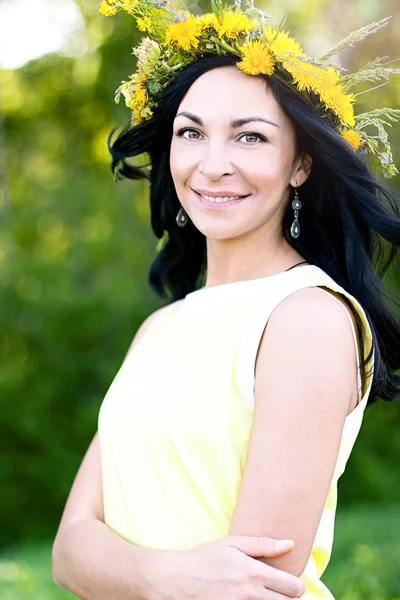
(316, 278)
(313, 308)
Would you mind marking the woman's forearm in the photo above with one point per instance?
(94, 563)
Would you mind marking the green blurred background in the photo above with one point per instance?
(75, 249)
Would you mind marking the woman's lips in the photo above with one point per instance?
(219, 205)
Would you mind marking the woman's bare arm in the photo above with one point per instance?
(305, 384)
(89, 559)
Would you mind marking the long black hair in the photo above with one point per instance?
(350, 221)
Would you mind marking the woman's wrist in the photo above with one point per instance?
(152, 568)
(95, 563)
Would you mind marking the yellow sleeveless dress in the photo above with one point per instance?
(175, 425)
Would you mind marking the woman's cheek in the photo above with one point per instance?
(179, 169)
(260, 172)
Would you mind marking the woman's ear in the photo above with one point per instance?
(302, 170)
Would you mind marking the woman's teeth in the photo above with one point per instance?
(220, 198)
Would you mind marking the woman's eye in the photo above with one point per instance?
(253, 138)
(189, 134)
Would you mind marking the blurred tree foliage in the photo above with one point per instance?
(75, 251)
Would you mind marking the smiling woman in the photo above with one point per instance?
(238, 405)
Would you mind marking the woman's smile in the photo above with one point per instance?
(219, 201)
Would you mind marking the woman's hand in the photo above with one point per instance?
(225, 569)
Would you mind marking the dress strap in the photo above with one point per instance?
(359, 383)
(300, 263)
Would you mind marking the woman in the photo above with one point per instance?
(237, 407)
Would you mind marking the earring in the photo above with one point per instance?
(296, 204)
(181, 217)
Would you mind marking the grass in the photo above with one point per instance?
(365, 563)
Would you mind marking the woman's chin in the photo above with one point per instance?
(217, 231)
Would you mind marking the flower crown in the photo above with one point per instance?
(179, 38)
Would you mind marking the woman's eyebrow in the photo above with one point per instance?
(234, 123)
(240, 122)
(193, 118)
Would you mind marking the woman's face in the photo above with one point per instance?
(232, 140)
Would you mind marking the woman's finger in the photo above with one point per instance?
(282, 583)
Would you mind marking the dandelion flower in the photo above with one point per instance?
(281, 44)
(352, 137)
(256, 59)
(305, 76)
(235, 23)
(341, 104)
(329, 78)
(184, 34)
(209, 20)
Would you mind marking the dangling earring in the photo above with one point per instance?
(181, 217)
(296, 204)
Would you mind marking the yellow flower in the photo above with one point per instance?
(184, 34)
(334, 97)
(307, 77)
(144, 24)
(208, 20)
(137, 117)
(341, 104)
(281, 44)
(107, 10)
(128, 6)
(256, 59)
(234, 23)
(324, 83)
(134, 91)
(329, 78)
(352, 137)
(139, 99)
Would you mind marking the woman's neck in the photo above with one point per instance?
(238, 260)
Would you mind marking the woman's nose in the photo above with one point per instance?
(216, 161)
